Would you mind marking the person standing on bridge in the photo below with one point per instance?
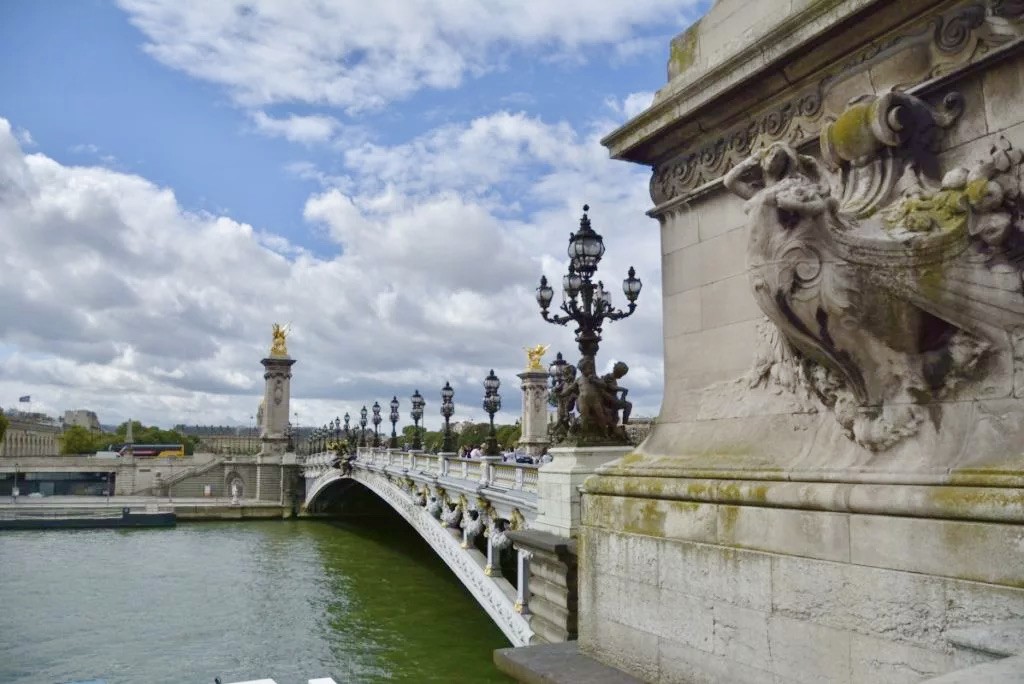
(476, 453)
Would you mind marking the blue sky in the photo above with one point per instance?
(309, 131)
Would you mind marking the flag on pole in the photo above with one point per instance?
(25, 399)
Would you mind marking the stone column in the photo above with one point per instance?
(535, 411)
(523, 586)
(276, 399)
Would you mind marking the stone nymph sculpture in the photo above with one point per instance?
(891, 286)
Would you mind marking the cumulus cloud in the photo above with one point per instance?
(295, 128)
(117, 298)
(631, 105)
(360, 56)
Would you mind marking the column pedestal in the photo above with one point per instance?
(558, 484)
(276, 402)
(534, 422)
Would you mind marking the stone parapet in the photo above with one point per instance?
(558, 483)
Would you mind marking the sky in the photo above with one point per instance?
(388, 178)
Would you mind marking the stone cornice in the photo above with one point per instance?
(697, 150)
(691, 91)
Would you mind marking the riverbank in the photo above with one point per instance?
(185, 509)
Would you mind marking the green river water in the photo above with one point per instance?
(364, 601)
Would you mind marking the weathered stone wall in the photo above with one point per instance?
(751, 538)
(708, 592)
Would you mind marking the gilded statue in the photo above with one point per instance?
(534, 355)
(279, 346)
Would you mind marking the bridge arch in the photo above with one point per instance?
(494, 594)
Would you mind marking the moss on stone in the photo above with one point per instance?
(683, 51)
(943, 212)
(851, 135)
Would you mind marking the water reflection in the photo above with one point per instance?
(362, 601)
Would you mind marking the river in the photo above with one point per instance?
(363, 601)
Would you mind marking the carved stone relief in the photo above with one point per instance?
(930, 49)
(890, 283)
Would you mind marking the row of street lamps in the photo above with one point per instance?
(584, 303)
(333, 432)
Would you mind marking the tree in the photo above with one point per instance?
(508, 435)
(78, 440)
(3, 425)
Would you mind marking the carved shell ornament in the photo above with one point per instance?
(892, 283)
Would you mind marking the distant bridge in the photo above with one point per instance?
(449, 501)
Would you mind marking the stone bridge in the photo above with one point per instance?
(462, 509)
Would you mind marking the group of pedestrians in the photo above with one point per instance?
(472, 451)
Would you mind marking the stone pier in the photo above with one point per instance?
(833, 489)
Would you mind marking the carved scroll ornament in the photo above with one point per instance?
(938, 45)
(890, 285)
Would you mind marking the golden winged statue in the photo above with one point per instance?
(279, 346)
(533, 356)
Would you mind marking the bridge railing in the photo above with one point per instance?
(487, 472)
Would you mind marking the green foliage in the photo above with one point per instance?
(142, 434)
(3, 425)
(474, 434)
(508, 435)
(78, 440)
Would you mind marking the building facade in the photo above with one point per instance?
(30, 434)
(82, 418)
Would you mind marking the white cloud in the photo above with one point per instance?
(363, 55)
(24, 137)
(295, 128)
(631, 105)
(118, 299)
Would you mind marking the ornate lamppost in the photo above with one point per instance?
(393, 444)
(336, 425)
(325, 435)
(362, 427)
(447, 410)
(350, 436)
(492, 404)
(376, 424)
(588, 305)
(417, 414)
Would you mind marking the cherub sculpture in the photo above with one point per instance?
(565, 393)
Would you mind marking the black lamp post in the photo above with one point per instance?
(362, 427)
(417, 414)
(325, 436)
(337, 431)
(349, 434)
(394, 421)
(492, 404)
(584, 303)
(376, 424)
(447, 409)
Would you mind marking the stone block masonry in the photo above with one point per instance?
(834, 488)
